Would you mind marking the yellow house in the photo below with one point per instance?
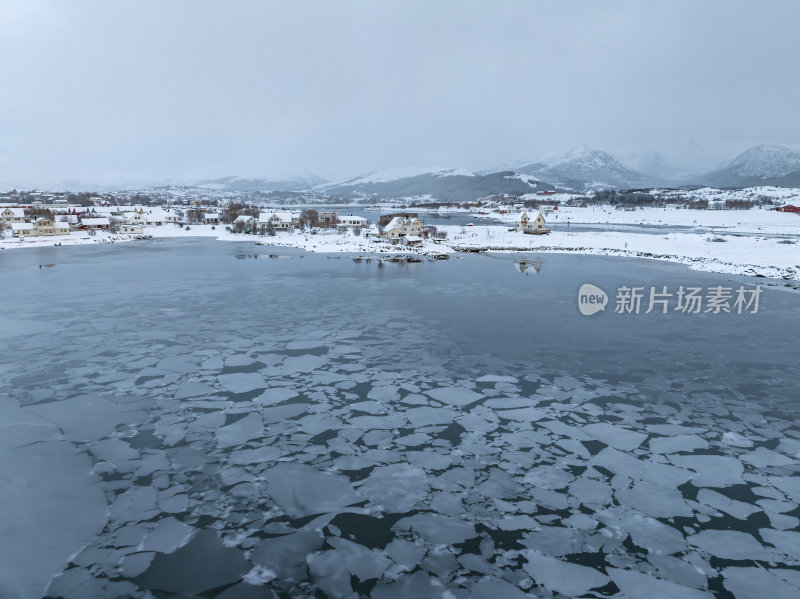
(9, 216)
(530, 226)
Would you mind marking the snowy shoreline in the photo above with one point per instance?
(770, 250)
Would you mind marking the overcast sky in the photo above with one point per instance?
(133, 91)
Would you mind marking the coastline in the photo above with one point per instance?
(756, 256)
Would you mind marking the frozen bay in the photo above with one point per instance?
(193, 418)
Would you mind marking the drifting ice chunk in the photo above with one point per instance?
(654, 500)
(242, 382)
(301, 490)
(304, 363)
(711, 470)
(653, 535)
(396, 487)
(615, 436)
(638, 584)
(592, 493)
(757, 582)
(736, 440)
(730, 544)
(497, 378)
(168, 535)
(737, 509)
(786, 542)
(241, 431)
(36, 543)
(405, 553)
(135, 505)
(437, 529)
(548, 477)
(762, 457)
(329, 572)
(455, 396)
(276, 395)
(194, 390)
(564, 577)
(679, 443)
(364, 563)
(522, 414)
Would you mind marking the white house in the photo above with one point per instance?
(137, 218)
(211, 218)
(42, 227)
(8, 216)
(352, 221)
(130, 229)
(282, 220)
(23, 230)
(401, 226)
(61, 228)
(530, 226)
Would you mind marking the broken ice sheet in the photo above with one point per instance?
(562, 576)
(301, 490)
(638, 584)
(32, 474)
(242, 382)
(396, 487)
(168, 535)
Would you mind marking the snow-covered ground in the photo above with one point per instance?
(738, 221)
(764, 256)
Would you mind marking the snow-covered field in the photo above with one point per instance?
(764, 256)
(734, 221)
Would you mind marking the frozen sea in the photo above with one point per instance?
(222, 420)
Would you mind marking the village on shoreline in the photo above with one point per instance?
(726, 237)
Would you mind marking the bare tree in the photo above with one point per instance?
(308, 218)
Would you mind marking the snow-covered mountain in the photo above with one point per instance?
(298, 182)
(585, 169)
(442, 184)
(760, 165)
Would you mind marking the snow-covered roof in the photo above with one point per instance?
(410, 238)
(61, 225)
(243, 218)
(22, 226)
(397, 221)
(95, 221)
(209, 216)
(284, 216)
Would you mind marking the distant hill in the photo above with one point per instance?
(584, 169)
(760, 165)
(446, 185)
(233, 183)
